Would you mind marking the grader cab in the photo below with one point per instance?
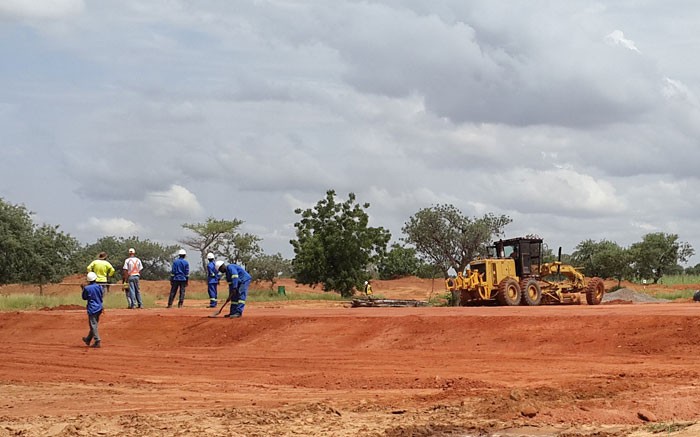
(514, 274)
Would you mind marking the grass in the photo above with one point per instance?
(673, 295)
(679, 279)
(116, 299)
(17, 302)
(658, 428)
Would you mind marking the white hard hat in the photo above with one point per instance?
(210, 255)
(91, 276)
(366, 282)
(182, 252)
(218, 264)
(132, 250)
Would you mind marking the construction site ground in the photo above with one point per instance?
(315, 368)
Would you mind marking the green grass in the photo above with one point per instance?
(17, 302)
(673, 295)
(679, 279)
(658, 428)
(116, 299)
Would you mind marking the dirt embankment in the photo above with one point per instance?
(607, 370)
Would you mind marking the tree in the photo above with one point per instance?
(16, 229)
(209, 235)
(51, 253)
(448, 239)
(657, 254)
(155, 257)
(335, 245)
(269, 267)
(30, 253)
(239, 248)
(695, 270)
(605, 259)
(399, 262)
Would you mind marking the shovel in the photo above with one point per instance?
(228, 299)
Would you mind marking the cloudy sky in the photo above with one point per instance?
(578, 119)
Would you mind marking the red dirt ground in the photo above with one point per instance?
(322, 369)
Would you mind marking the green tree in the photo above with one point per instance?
(16, 228)
(605, 259)
(155, 257)
(443, 236)
(695, 270)
(52, 252)
(30, 253)
(269, 268)
(399, 262)
(209, 235)
(239, 248)
(335, 245)
(657, 254)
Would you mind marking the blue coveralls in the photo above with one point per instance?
(212, 283)
(238, 279)
(93, 294)
(179, 275)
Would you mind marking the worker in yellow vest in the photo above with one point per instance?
(102, 268)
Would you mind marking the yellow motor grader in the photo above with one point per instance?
(513, 274)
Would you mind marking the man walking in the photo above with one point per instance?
(212, 280)
(179, 278)
(93, 294)
(102, 268)
(131, 273)
(238, 280)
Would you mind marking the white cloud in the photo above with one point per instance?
(177, 201)
(116, 226)
(42, 9)
(557, 191)
(617, 37)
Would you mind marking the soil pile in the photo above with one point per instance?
(630, 296)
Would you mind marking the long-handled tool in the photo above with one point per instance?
(228, 299)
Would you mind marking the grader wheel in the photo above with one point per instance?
(531, 291)
(595, 291)
(508, 292)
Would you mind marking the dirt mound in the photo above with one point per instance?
(63, 307)
(553, 370)
(627, 295)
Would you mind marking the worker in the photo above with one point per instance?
(93, 294)
(131, 274)
(102, 268)
(179, 278)
(213, 276)
(238, 280)
(368, 288)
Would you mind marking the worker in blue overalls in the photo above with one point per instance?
(238, 281)
(213, 276)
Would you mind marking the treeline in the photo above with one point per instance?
(334, 247)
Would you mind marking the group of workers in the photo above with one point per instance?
(100, 270)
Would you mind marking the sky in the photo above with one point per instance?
(579, 119)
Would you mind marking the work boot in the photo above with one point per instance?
(179, 304)
(96, 345)
(86, 341)
(170, 305)
(235, 315)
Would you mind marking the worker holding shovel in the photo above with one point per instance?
(238, 281)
